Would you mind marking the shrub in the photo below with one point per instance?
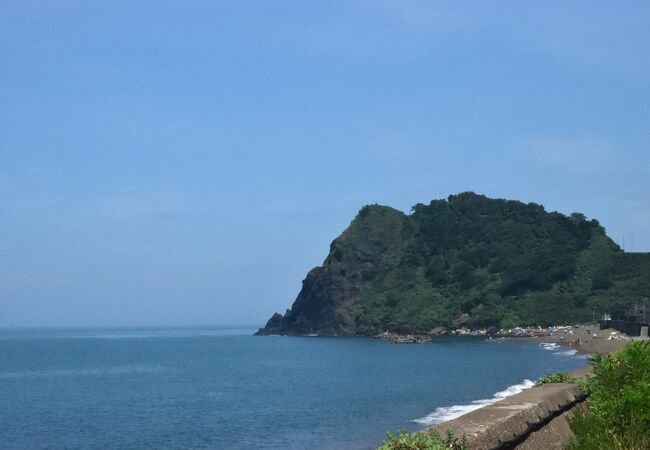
(429, 440)
(563, 377)
(619, 403)
(557, 377)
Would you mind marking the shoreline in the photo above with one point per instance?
(589, 344)
(578, 339)
(583, 343)
(548, 406)
(464, 411)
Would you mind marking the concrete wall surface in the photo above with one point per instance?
(535, 419)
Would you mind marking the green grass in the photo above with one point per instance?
(564, 377)
(558, 377)
(429, 440)
(592, 435)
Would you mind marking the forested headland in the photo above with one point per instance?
(467, 260)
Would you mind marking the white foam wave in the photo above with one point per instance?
(549, 345)
(559, 350)
(445, 413)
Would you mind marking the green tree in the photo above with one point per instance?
(510, 320)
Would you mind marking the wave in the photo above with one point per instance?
(445, 413)
(561, 351)
(549, 345)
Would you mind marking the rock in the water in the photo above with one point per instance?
(395, 338)
(275, 325)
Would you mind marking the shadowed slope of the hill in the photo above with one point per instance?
(465, 260)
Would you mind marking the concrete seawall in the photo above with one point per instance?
(535, 419)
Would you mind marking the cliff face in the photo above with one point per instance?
(465, 260)
(329, 301)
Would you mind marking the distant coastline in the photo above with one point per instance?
(596, 341)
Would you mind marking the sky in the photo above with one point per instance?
(187, 162)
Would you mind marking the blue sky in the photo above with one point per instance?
(178, 163)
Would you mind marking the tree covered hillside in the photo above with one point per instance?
(468, 260)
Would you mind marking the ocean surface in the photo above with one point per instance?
(226, 389)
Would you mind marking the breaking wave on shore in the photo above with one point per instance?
(549, 345)
(445, 413)
(559, 350)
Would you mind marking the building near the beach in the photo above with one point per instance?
(632, 323)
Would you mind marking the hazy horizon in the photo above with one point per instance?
(188, 164)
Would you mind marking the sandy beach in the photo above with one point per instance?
(598, 341)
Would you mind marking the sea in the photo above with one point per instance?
(223, 388)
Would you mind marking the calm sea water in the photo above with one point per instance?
(226, 389)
